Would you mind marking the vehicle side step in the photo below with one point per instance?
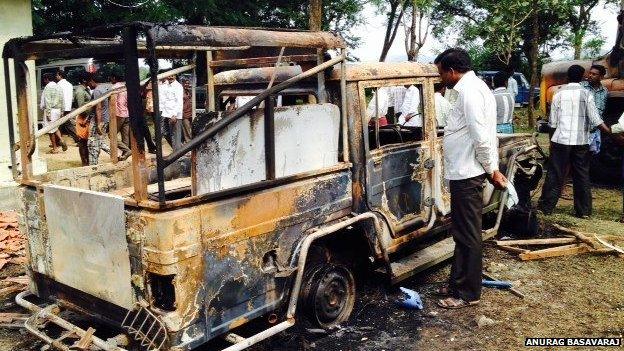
(421, 260)
(427, 257)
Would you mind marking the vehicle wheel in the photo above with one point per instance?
(328, 294)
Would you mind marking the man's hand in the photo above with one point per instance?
(173, 121)
(498, 180)
(98, 129)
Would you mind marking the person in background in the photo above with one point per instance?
(572, 115)
(410, 108)
(187, 110)
(148, 96)
(122, 115)
(505, 103)
(381, 95)
(67, 89)
(172, 109)
(98, 126)
(442, 106)
(82, 95)
(594, 85)
(471, 157)
(52, 106)
(512, 83)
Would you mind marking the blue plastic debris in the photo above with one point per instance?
(498, 284)
(410, 299)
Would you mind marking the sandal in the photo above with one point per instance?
(53, 152)
(64, 146)
(443, 291)
(452, 303)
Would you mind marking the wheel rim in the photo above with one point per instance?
(334, 296)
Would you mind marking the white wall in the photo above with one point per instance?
(15, 20)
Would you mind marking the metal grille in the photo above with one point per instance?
(145, 327)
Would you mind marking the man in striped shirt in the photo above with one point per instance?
(504, 104)
(573, 115)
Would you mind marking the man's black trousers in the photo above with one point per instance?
(577, 159)
(466, 216)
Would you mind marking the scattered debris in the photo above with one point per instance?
(483, 321)
(433, 314)
(494, 267)
(576, 243)
(13, 320)
(511, 289)
(316, 331)
(12, 242)
(12, 285)
(410, 299)
(498, 284)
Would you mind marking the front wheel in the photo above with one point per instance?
(328, 294)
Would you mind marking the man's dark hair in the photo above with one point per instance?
(61, 73)
(456, 59)
(117, 76)
(575, 74)
(48, 76)
(600, 68)
(84, 77)
(500, 79)
(439, 57)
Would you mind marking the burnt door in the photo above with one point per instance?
(397, 152)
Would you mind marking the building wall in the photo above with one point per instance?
(15, 20)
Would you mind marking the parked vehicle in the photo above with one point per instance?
(523, 87)
(271, 214)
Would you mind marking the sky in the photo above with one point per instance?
(373, 31)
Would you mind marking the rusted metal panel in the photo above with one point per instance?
(229, 36)
(256, 75)
(306, 139)
(87, 239)
(385, 70)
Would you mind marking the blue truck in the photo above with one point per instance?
(523, 86)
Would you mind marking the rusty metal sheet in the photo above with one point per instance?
(256, 75)
(385, 70)
(87, 240)
(228, 37)
(306, 139)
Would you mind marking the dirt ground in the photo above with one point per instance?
(574, 296)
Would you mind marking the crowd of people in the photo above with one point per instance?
(90, 129)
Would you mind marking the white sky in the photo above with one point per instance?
(372, 35)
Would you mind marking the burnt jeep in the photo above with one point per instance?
(288, 184)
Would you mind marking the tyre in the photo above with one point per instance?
(328, 294)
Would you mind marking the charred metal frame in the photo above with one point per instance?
(175, 41)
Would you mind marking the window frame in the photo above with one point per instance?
(427, 87)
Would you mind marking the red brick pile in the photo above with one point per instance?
(12, 242)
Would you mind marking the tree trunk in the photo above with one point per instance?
(391, 28)
(578, 45)
(533, 61)
(412, 52)
(316, 14)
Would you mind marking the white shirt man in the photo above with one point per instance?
(172, 100)
(512, 85)
(443, 108)
(470, 143)
(572, 121)
(68, 94)
(381, 96)
(410, 109)
(504, 105)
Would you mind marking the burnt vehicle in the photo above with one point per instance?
(288, 184)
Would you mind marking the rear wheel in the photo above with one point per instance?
(328, 293)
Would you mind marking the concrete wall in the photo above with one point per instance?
(15, 20)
